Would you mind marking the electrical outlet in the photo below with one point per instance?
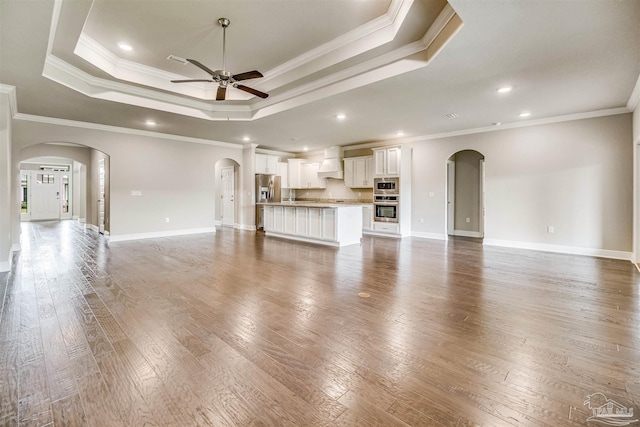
(166, 219)
(421, 220)
(432, 194)
(468, 220)
(550, 229)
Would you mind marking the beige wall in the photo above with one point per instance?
(636, 211)
(175, 177)
(575, 176)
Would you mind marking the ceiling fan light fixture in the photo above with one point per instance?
(222, 77)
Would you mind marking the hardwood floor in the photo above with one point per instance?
(234, 328)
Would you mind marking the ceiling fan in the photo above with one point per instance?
(223, 77)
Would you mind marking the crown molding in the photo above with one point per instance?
(375, 33)
(634, 99)
(473, 131)
(122, 130)
(10, 92)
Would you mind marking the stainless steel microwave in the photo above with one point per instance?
(386, 185)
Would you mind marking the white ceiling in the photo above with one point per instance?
(389, 65)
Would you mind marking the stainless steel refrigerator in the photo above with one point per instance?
(267, 190)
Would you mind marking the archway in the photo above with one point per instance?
(89, 200)
(465, 194)
(227, 185)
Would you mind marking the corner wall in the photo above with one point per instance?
(6, 183)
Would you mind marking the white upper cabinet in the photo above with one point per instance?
(386, 161)
(283, 173)
(295, 172)
(358, 172)
(310, 176)
(266, 164)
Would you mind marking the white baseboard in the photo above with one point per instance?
(82, 220)
(244, 227)
(572, 250)
(75, 217)
(464, 233)
(217, 223)
(157, 234)
(425, 235)
(6, 265)
(16, 247)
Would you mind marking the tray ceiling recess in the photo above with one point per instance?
(330, 64)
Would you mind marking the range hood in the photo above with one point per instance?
(331, 166)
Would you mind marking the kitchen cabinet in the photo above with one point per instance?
(309, 173)
(314, 229)
(295, 172)
(278, 217)
(367, 218)
(289, 219)
(283, 172)
(302, 219)
(266, 163)
(386, 227)
(328, 224)
(358, 172)
(386, 162)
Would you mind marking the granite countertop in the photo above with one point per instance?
(315, 204)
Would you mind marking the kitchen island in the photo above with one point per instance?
(334, 224)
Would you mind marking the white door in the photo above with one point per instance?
(451, 196)
(45, 195)
(101, 201)
(228, 196)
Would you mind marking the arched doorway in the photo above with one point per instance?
(465, 194)
(227, 186)
(86, 195)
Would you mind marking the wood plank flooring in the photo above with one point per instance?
(235, 329)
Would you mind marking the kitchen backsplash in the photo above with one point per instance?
(335, 191)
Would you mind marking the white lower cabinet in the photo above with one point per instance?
(336, 226)
(329, 224)
(315, 223)
(386, 227)
(302, 219)
(277, 219)
(289, 220)
(367, 218)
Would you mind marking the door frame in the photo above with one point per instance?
(229, 201)
(450, 202)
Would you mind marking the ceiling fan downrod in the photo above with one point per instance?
(224, 23)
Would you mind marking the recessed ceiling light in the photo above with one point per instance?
(400, 133)
(341, 116)
(125, 46)
(505, 89)
(305, 148)
(246, 138)
(150, 123)
(525, 114)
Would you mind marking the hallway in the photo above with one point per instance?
(233, 328)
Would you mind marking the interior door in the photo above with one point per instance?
(228, 196)
(101, 179)
(451, 196)
(45, 195)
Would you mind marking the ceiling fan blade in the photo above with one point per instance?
(203, 67)
(191, 80)
(221, 94)
(248, 75)
(252, 91)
